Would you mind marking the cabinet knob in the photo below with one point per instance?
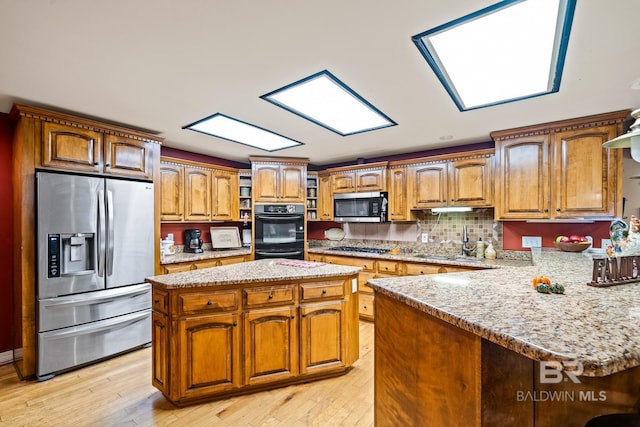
(235, 323)
(365, 307)
(96, 163)
(324, 291)
(545, 210)
(156, 301)
(558, 210)
(293, 317)
(107, 164)
(270, 296)
(209, 303)
(304, 315)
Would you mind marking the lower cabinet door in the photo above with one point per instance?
(322, 336)
(160, 351)
(210, 355)
(270, 344)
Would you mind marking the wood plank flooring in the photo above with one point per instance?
(118, 392)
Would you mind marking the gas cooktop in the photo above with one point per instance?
(359, 249)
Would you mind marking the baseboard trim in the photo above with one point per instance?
(6, 357)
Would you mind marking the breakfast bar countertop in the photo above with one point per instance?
(266, 270)
(599, 327)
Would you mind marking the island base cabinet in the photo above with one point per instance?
(432, 373)
(215, 342)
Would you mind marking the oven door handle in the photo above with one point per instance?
(280, 218)
(279, 253)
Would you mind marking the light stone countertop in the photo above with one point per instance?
(206, 254)
(600, 327)
(266, 270)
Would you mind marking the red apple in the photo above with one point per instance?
(565, 239)
(583, 239)
(574, 238)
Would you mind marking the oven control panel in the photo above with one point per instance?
(280, 209)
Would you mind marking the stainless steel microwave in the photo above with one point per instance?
(360, 207)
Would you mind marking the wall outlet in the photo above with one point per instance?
(425, 237)
(604, 243)
(531, 241)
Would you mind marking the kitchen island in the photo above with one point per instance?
(240, 328)
(484, 348)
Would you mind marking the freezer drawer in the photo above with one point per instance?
(70, 347)
(62, 312)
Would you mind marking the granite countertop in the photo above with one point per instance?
(430, 258)
(207, 254)
(599, 327)
(266, 270)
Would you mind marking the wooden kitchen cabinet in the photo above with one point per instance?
(270, 345)
(76, 148)
(398, 207)
(224, 195)
(322, 336)
(361, 178)
(197, 189)
(172, 192)
(210, 350)
(461, 179)
(160, 351)
(559, 170)
(191, 191)
(279, 180)
(325, 197)
(127, 156)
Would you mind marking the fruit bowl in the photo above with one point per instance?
(572, 246)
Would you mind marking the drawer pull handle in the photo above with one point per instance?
(270, 296)
(209, 303)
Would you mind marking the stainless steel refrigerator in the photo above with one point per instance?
(95, 240)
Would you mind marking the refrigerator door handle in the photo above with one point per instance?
(101, 233)
(111, 226)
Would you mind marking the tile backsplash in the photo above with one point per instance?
(443, 229)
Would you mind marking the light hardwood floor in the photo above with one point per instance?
(118, 392)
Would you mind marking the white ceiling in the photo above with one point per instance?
(158, 65)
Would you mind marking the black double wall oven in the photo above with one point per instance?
(279, 231)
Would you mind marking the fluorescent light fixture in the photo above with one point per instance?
(449, 209)
(630, 139)
(510, 51)
(235, 130)
(323, 99)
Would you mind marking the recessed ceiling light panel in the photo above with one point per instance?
(509, 51)
(323, 99)
(235, 130)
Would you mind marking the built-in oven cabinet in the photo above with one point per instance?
(279, 231)
(279, 181)
(363, 178)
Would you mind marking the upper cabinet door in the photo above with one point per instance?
(71, 148)
(398, 201)
(265, 183)
(522, 181)
(585, 179)
(125, 156)
(224, 200)
(430, 185)
(371, 180)
(172, 192)
(471, 182)
(293, 183)
(344, 182)
(198, 192)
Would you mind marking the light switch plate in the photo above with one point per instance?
(354, 286)
(425, 237)
(531, 241)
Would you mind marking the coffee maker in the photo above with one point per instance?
(192, 241)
